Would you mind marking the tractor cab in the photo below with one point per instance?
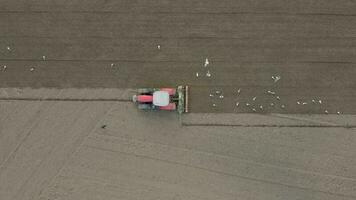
(160, 98)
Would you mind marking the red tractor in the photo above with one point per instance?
(162, 99)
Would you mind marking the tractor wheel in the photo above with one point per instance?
(171, 106)
(144, 106)
(144, 91)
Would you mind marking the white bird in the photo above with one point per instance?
(276, 78)
(206, 62)
(270, 92)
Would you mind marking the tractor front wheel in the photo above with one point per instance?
(144, 106)
(145, 91)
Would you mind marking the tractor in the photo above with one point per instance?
(170, 99)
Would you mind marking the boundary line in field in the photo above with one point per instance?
(270, 125)
(64, 99)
